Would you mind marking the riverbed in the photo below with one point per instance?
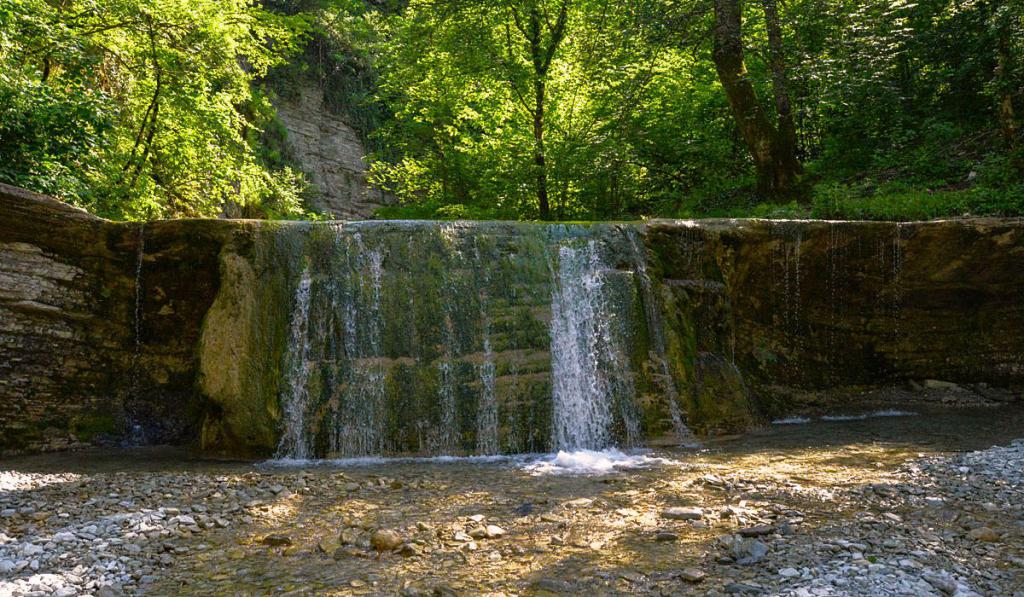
(917, 503)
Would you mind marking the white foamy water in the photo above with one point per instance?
(295, 396)
(874, 415)
(792, 421)
(582, 414)
(592, 462)
(578, 462)
(837, 418)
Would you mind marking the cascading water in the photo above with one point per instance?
(398, 332)
(586, 360)
(658, 349)
(358, 418)
(136, 435)
(294, 401)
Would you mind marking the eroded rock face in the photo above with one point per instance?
(332, 153)
(814, 312)
(83, 357)
(186, 331)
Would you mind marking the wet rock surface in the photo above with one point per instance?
(854, 508)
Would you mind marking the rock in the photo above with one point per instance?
(935, 384)
(184, 520)
(385, 540)
(692, 575)
(524, 509)
(666, 536)
(277, 540)
(578, 503)
(478, 533)
(348, 536)
(983, 534)
(683, 513)
(347, 551)
(944, 585)
(493, 531)
(551, 586)
(757, 531)
(789, 573)
(749, 551)
(738, 588)
(6, 566)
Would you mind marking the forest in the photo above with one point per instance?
(523, 109)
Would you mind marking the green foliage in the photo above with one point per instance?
(139, 109)
(637, 123)
(160, 108)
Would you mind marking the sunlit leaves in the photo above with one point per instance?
(158, 96)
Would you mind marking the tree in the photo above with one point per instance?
(1007, 27)
(515, 108)
(153, 101)
(542, 32)
(772, 151)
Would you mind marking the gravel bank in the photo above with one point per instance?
(868, 520)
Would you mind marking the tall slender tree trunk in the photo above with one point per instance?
(777, 169)
(539, 161)
(780, 83)
(1007, 117)
(543, 37)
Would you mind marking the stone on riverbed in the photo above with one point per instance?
(386, 540)
(683, 513)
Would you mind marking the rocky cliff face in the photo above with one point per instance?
(98, 324)
(429, 337)
(332, 153)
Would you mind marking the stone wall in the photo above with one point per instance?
(332, 153)
(101, 323)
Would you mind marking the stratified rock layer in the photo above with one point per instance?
(185, 331)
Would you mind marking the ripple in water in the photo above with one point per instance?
(835, 418)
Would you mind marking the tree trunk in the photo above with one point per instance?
(1007, 118)
(776, 171)
(780, 84)
(538, 155)
(542, 52)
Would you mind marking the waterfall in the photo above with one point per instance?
(580, 341)
(359, 418)
(294, 398)
(136, 435)
(658, 350)
(487, 441)
(398, 331)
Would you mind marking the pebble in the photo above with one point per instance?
(683, 513)
(935, 525)
(277, 540)
(385, 540)
(983, 534)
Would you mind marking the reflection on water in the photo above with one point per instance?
(930, 430)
